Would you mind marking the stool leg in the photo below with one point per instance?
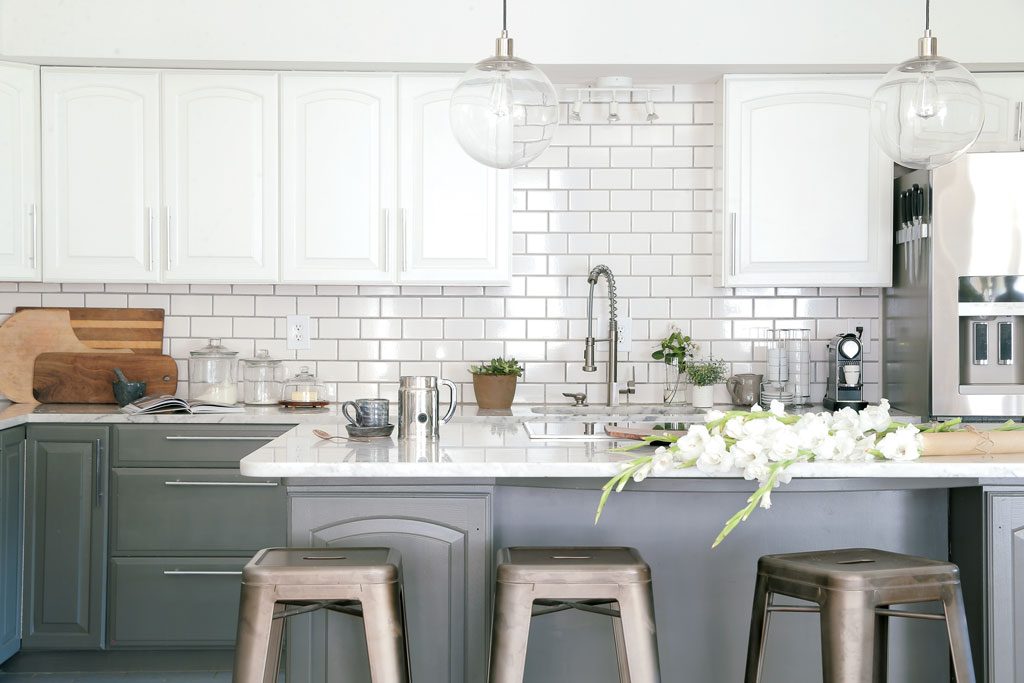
(959, 640)
(385, 635)
(513, 607)
(620, 650)
(881, 649)
(636, 605)
(847, 637)
(255, 638)
(759, 619)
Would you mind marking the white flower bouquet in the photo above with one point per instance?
(762, 444)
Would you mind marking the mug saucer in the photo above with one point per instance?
(358, 432)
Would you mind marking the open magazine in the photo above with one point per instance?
(148, 405)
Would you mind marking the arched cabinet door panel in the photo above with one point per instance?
(444, 543)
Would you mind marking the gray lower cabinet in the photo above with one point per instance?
(987, 542)
(183, 523)
(444, 538)
(12, 520)
(65, 533)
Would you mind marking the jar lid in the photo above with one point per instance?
(262, 357)
(214, 349)
(304, 375)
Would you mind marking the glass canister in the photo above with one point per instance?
(212, 374)
(262, 379)
(305, 388)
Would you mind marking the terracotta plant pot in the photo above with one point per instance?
(494, 391)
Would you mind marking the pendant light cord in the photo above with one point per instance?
(504, 16)
(927, 15)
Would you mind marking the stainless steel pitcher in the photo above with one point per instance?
(419, 405)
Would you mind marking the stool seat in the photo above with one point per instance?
(322, 566)
(859, 569)
(580, 564)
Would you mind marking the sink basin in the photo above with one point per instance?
(625, 409)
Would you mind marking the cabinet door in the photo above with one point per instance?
(100, 172)
(807, 191)
(337, 177)
(12, 482)
(66, 537)
(220, 176)
(453, 211)
(1005, 600)
(19, 172)
(1004, 95)
(444, 541)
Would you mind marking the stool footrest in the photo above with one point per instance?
(880, 611)
(548, 606)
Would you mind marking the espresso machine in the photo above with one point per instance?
(952, 321)
(845, 385)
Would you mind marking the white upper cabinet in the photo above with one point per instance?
(19, 172)
(220, 177)
(453, 211)
(337, 177)
(806, 195)
(100, 175)
(1004, 98)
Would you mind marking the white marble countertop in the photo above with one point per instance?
(496, 450)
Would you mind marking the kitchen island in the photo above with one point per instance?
(487, 484)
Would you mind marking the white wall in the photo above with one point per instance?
(626, 32)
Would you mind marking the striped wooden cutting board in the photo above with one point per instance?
(139, 330)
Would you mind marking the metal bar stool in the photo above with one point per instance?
(283, 582)
(854, 590)
(537, 581)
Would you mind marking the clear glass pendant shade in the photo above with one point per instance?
(504, 112)
(927, 111)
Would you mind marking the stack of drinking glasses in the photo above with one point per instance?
(798, 350)
(787, 375)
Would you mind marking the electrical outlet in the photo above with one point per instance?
(298, 332)
(625, 334)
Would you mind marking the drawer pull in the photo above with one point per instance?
(220, 483)
(189, 572)
(220, 438)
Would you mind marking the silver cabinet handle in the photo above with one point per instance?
(151, 218)
(171, 243)
(220, 483)
(34, 234)
(98, 473)
(385, 226)
(733, 247)
(219, 438)
(402, 240)
(188, 572)
(1017, 122)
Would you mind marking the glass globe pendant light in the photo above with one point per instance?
(928, 110)
(504, 111)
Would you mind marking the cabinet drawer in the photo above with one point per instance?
(209, 512)
(174, 602)
(189, 445)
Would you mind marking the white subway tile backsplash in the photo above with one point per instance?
(635, 196)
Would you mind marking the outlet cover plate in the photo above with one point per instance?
(297, 330)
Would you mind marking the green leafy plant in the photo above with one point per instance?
(498, 366)
(675, 349)
(705, 373)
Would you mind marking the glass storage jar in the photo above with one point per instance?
(212, 374)
(305, 389)
(262, 379)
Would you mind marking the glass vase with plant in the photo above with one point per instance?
(675, 351)
(705, 374)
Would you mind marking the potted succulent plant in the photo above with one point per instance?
(705, 374)
(494, 383)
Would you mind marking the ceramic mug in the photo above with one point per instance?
(369, 412)
(851, 373)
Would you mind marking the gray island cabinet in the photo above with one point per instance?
(12, 520)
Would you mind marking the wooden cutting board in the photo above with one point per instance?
(136, 330)
(87, 377)
(25, 335)
(638, 433)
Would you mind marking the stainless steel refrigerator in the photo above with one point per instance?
(953, 320)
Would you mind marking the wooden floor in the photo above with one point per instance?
(201, 666)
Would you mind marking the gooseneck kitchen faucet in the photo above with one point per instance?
(613, 335)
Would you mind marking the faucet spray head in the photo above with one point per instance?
(588, 356)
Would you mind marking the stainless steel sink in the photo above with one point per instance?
(627, 409)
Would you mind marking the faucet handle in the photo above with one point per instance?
(630, 385)
(580, 398)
